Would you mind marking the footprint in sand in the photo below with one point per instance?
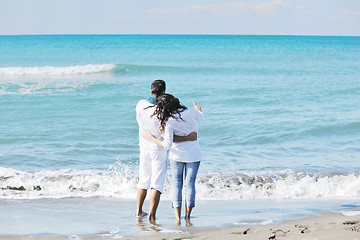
(352, 226)
(242, 233)
(302, 228)
(278, 233)
(351, 222)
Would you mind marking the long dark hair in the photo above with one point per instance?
(167, 105)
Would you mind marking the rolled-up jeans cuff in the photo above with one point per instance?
(176, 204)
(190, 204)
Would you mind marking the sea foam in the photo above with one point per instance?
(57, 71)
(121, 183)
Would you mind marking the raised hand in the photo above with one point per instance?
(197, 107)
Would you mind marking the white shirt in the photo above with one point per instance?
(188, 151)
(147, 124)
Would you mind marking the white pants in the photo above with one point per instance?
(152, 170)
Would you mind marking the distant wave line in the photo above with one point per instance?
(56, 71)
(98, 68)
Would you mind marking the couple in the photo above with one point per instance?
(165, 124)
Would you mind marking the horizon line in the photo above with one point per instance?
(177, 34)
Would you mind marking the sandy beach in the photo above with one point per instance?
(327, 226)
(330, 225)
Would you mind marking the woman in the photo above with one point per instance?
(185, 157)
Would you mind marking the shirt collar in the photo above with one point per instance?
(152, 100)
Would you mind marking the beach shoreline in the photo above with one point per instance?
(114, 218)
(328, 225)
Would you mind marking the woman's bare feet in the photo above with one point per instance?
(188, 212)
(177, 212)
(188, 222)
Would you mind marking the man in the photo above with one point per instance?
(153, 158)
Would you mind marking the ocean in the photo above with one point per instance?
(282, 119)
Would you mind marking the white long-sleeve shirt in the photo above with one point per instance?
(147, 124)
(188, 151)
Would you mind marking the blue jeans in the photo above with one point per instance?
(181, 171)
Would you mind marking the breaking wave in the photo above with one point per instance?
(58, 71)
(99, 68)
(120, 182)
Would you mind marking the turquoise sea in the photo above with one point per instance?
(282, 117)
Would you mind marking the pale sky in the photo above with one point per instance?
(243, 17)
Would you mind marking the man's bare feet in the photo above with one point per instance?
(141, 214)
(177, 221)
(154, 226)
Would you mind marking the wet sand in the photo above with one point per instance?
(331, 225)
